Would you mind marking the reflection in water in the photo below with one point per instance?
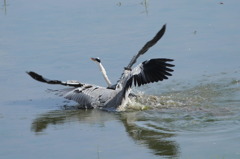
(5, 6)
(145, 4)
(63, 116)
(141, 128)
(153, 137)
(184, 111)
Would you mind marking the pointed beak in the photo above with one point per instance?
(94, 59)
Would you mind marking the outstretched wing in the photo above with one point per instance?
(150, 71)
(40, 78)
(87, 95)
(147, 46)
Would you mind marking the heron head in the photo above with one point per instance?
(97, 59)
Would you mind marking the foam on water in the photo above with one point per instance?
(191, 107)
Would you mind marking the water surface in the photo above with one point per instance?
(195, 114)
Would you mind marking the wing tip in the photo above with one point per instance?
(164, 26)
(33, 74)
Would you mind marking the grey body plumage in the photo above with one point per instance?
(115, 97)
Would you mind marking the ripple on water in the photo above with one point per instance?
(207, 105)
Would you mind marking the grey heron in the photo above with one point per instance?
(115, 97)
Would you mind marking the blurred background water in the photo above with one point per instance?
(195, 114)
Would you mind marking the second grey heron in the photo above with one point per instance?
(115, 97)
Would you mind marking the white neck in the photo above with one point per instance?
(105, 75)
